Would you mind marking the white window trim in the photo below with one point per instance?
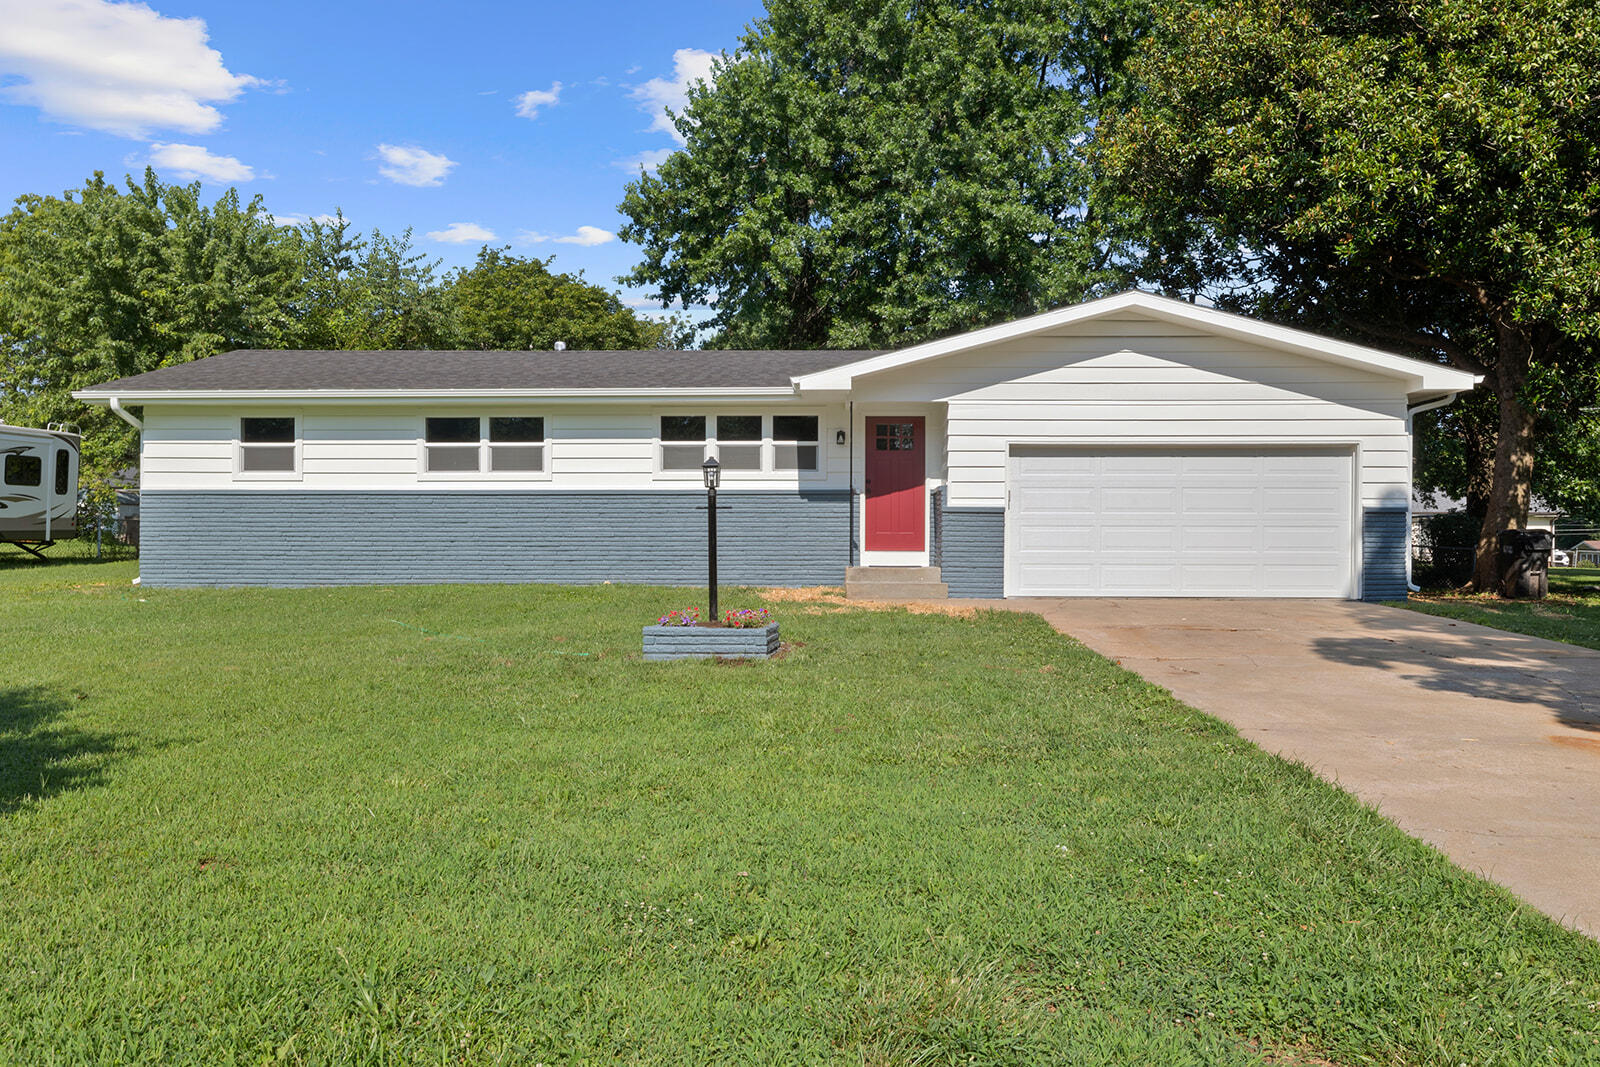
(296, 475)
(483, 473)
(712, 447)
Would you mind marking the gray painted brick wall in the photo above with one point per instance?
(288, 538)
(972, 549)
(1383, 553)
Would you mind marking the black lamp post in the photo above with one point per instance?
(712, 470)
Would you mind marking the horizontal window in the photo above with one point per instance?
(744, 443)
(267, 445)
(24, 469)
(471, 444)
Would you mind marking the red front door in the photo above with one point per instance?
(897, 499)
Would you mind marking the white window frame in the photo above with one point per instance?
(483, 473)
(712, 446)
(296, 475)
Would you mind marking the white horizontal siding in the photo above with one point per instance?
(1138, 381)
(348, 447)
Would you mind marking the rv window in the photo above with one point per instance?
(24, 470)
(63, 468)
(266, 445)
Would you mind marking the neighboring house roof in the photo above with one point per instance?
(285, 371)
(1423, 380)
(1585, 546)
(1444, 505)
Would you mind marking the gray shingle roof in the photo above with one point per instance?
(253, 368)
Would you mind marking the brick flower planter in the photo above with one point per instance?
(710, 642)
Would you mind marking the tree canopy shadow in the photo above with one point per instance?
(40, 758)
(1569, 691)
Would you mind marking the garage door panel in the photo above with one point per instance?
(1216, 579)
(1218, 500)
(1058, 538)
(1211, 539)
(1050, 498)
(1139, 500)
(1150, 579)
(1122, 537)
(1189, 522)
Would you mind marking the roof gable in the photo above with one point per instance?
(1418, 375)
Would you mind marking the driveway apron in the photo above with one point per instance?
(1483, 743)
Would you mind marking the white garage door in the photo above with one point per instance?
(1193, 522)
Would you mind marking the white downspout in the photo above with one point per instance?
(126, 416)
(1410, 413)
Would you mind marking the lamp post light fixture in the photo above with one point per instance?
(712, 471)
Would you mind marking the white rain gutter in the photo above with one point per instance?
(124, 414)
(1443, 401)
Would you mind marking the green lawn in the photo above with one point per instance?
(1571, 613)
(469, 824)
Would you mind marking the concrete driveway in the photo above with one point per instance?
(1483, 743)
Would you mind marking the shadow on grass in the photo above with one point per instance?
(39, 758)
(13, 558)
(1505, 669)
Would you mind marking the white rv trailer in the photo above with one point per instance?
(38, 485)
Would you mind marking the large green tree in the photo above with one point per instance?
(366, 292)
(1424, 175)
(101, 282)
(512, 302)
(865, 174)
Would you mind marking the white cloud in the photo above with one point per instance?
(410, 165)
(529, 103)
(647, 161)
(689, 65)
(120, 68)
(460, 233)
(587, 236)
(190, 161)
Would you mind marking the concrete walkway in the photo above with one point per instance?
(1483, 743)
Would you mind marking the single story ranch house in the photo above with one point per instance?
(1130, 446)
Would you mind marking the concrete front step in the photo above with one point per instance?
(891, 574)
(894, 583)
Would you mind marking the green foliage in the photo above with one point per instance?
(470, 824)
(873, 174)
(101, 283)
(1421, 175)
(366, 293)
(1447, 146)
(509, 302)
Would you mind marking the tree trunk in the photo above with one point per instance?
(1511, 483)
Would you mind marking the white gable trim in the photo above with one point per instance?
(1420, 377)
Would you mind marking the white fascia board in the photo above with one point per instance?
(416, 396)
(1419, 376)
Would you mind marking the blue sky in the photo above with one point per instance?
(460, 120)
